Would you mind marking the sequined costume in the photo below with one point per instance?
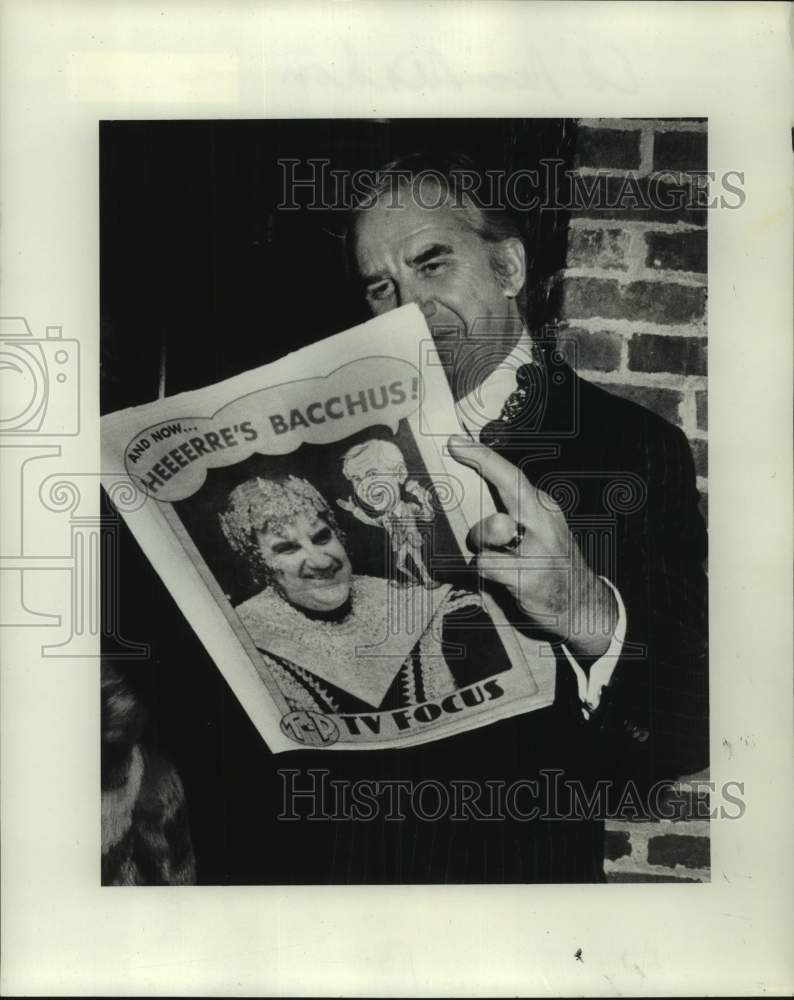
(427, 672)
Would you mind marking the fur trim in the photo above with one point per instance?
(145, 826)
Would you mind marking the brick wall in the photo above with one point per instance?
(633, 303)
(663, 850)
(633, 295)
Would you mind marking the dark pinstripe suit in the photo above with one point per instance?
(626, 480)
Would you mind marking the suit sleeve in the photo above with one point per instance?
(653, 715)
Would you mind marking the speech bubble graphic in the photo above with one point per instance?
(169, 460)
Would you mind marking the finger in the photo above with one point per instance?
(492, 532)
(509, 483)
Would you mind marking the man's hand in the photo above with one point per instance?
(545, 572)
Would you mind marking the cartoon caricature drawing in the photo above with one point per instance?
(384, 497)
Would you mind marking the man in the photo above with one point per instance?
(419, 238)
(441, 259)
(377, 472)
(323, 633)
(605, 559)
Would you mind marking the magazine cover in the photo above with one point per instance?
(309, 522)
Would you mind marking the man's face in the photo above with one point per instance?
(407, 253)
(309, 563)
(376, 483)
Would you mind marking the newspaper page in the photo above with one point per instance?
(312, 528)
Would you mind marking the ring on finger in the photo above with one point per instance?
(514, 542)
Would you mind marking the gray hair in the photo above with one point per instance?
(459, 178)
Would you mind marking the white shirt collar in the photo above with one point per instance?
(485, 402)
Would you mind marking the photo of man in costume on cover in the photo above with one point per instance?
(288, 532)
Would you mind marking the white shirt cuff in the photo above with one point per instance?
(589, 686)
